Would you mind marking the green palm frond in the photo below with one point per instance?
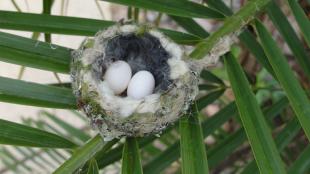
(267, 110)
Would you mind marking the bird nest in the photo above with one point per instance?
(144, 49)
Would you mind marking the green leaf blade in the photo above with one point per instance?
(220, 6)
(210, 77)
(227, 146)
(190, 26)
(181, 38)
(193, 153)
(21, 135)
(258, 133)
(301, 18)
(73, 26)
(93, 167)
(33, 53)
(302, 164)
(51, 24)
(173, 7)
(83, 154)
(282, 140)
(104, 159)
(296, 95)
(27, 93)
(211, 97)
(252, 45)
(287, 32)
(47, 8)
(131, 163)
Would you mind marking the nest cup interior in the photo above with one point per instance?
(141, 52)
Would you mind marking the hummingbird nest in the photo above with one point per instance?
(143, 48)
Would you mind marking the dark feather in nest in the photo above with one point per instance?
(141, 52)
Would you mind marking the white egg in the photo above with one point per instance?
(142, 84)
(118, 76)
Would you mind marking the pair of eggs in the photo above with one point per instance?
(119, 78)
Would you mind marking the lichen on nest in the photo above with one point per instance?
(143, 48)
